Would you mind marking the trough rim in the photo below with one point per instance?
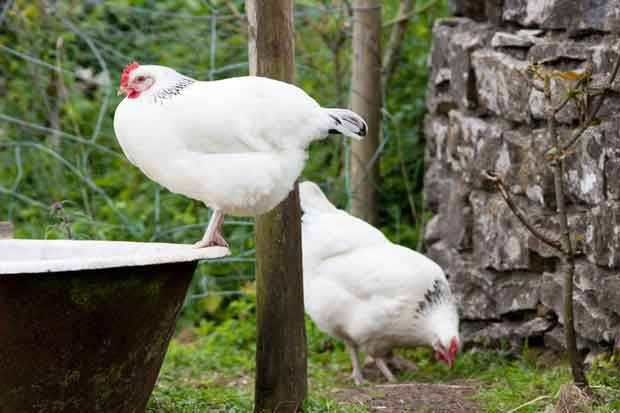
(148, 253)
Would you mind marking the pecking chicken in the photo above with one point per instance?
(369, 292)
(237, 145)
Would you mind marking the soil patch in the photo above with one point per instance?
(413, 397)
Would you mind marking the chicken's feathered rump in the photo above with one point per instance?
(238, 144)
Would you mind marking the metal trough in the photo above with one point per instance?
(84, 325)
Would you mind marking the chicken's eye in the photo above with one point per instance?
(140, 79)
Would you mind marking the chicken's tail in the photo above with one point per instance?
(347, 123)
(313, 199)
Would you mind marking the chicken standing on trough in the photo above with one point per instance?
(369, 292)
(238, 144)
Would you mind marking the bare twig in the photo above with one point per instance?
(423, 221)
(492, 176)
(335, 43)
(596, 107)
(235, 11)
(536, 72)
(557, 155)
(539, 398)
(392, 50)
(407, 16)
(405, 174)
(403, 167)
(568, 257)
(569, 95)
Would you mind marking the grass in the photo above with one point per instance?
(507, 382)
(210, 368)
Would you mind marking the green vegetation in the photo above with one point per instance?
(210, 369)
(64, 175)
(506, 382)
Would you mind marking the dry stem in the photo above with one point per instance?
(597, 106)
(515, 210)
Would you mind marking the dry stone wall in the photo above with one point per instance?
(483, 114)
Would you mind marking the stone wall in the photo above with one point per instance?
(483, 114)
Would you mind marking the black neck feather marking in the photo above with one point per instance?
(437, 294)
(172, 91)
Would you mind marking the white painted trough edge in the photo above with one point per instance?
(19, 256)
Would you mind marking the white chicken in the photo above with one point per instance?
(237, 145)
(370, 293)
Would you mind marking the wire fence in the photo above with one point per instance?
(63, 173)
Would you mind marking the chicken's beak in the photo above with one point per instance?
(121, 91)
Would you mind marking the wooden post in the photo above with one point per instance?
(366, 101)
(281, 376)
(6, 230)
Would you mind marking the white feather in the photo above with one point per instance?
(363, 289)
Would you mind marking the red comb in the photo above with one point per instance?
(454, 345)
(126, 71)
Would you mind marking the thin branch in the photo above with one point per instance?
(569, 96)
(403, 166)
(368, 166)
(568, 258)
(539, 398)
(392, 50)
(235, 11)
(596, 108)
(409, 15)
(405, 173)
(492, 176)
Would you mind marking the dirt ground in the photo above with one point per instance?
(413, 397)
(380, 396)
